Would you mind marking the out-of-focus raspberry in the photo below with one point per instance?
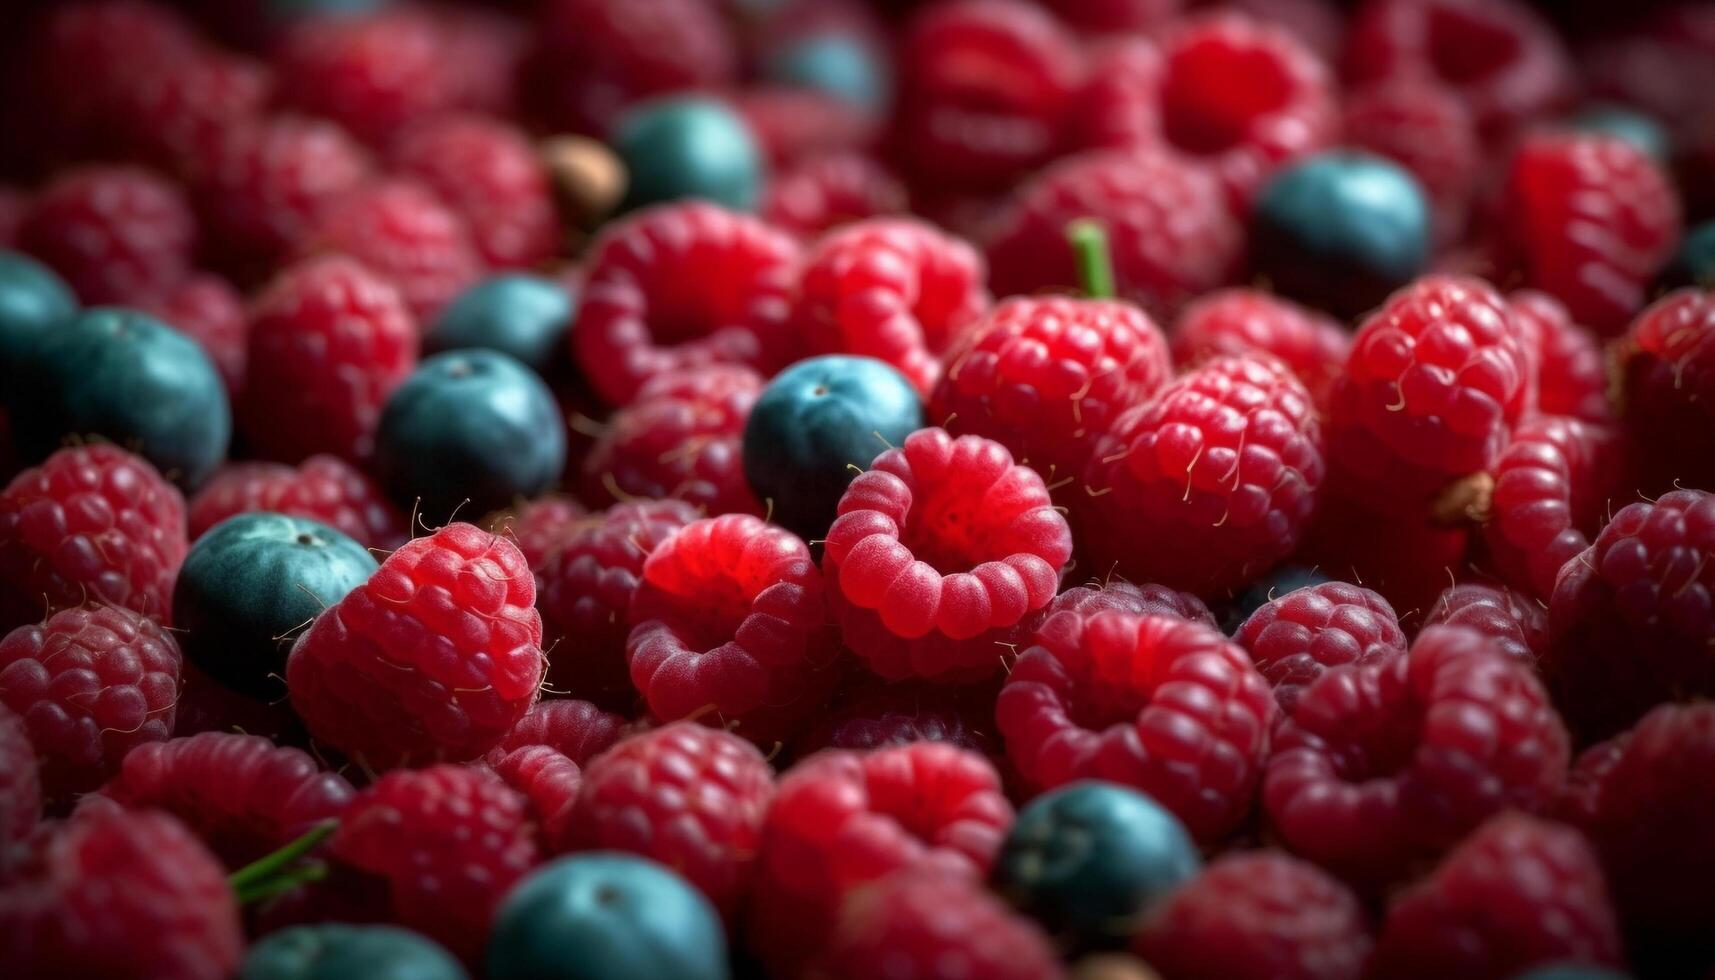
(1667, 368)
(826, 191)
(488, 172)
(1553, 485)
(205, 308)
(1572, 372)
(322, 488)
(1426, 128)
(114, 234)
(1249, 322)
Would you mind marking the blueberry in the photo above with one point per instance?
(837, 65)
(1341, 231)
(342, 952)
(32, 299)
(815, 425)
(521, 315)
(253, 581)
(1089, 859)
(470, 425)
(1630, 125)
(128, 378)
(605, 916)
(1289, 578)
(1694, 263)
(688, 146)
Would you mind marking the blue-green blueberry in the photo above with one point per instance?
(341, 952)
(517, 314)
(688, 146)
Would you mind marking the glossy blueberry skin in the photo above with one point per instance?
(128, 378)
(606, 916)
(1630, 125)
(1340, 231)
(833, 64)
(32, 299)
(1288, 578)
(1088, 860)
(815, 426)
(342, 952)
(688, 147)
(517, 314)
(250, 584)
(469, 424)
(1694, 263)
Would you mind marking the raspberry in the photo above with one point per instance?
(1667, 366)
(1572, 376)
(322, 488)
(91, 522)
(1209, 484)
(900, 714)
(681, 437)
(1516, 624)
(829, 190)
(208, 310)
(1154, 702)
(1425, 127)
(577, 730)
(1119, 103)
(1386, 763)
(1245, 322)
(539, 526)
(1045, 377)
(115, 234)
(1294, 639)
(1106, 16)
(437, 656)
(921, 925)
(689, 797)
(679, 286)
(488, 172)
(1172, 236)
(894, 289)
(174, 114)
(329, 341)
(547, 778)
(20, 784)
(1630, 624)
(243, 795)
(940, 547)
(586, 590)
(115, 894)
(1589, 219)
(402, 232)
(449, 841)
(1552, 485)
(1409, 561)
(792, 125)
(1258, 915)
(373, 73)
(1140, 600)
(1519, 892)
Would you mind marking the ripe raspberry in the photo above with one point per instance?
(116, 894)
(1171, 234)
(486, 49)
(1425, 127)
(373, 73)
(1107, 16)
(1209, 484)
(577, 730)
(1119, 102)
(322, 488)
(1294, 639)
(1630, 624)
(173, 115)
(329, 341)
(1383, 764)
(914, 711)
(680, 437)
(488, 172)
(437, 656)
(242, 795)
(1246, 322)
(115, 234)
(894, 289)
(1140, 600)
(1257, 915)
(1589, 219)
(1572, 375)
(1515, 623)
(1167, 706)
(20, 784)
(1519, 892)
(90, 523)
(1045, 377)
(1667, 366)
(205, 308)
(548, 780)
(793, 126)
(829, 190)
(940, 547)
(1552, 485)
(539, 526)
(450, 842)
(680, 286)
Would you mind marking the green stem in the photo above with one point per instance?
(1095, 265)
(268, 866)
(269, 887)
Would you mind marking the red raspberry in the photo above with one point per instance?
(321, 488)
(1317, 24)
(680, 286)
(373, 73)
(1516, 624)
(923, 925)
(1503, 59)
(1631, 622)
(1110, 16)
(1572, 374)
(680, 437)
(1552, 485)
(91, 684)
(548, 780)
(894, 289)
(1260, 915)
(689, 797)
(122, 895)
(1246, 322)
(577, 730)
(1660, 63)
(1141, 600)
(20, 784)
(1171, 234)
(450, 842)
(794, 125)
(1667, 364)
(939, 548)
(1581, 798)
(405, 234)
(90, 523)
(1209, 484)
(914, 711)
(826, 191)
(540, 526)
(208, 310)
(1168, 706)
(1590, 219)
(1519, 892)
(1386, 763)
(172, 116)
(115, 234)
(243, 795)
(1294, 639)
(1046, 377)
(1119, 104)
(329, 341)
(1425, 127)
(206, 705)
(437, 656)
(485, 56)
(488, 172)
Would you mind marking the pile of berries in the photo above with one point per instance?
(857, 489)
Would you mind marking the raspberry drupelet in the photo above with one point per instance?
(939, 548)
(322, 488)
(1552, 485)
(1572, 372)
(205, 308)
(20, 784)
(1425, 127)
(1518, 624)
(115, 234)
(1667, 369)
(436, 657)
(1295, 638)
(488, 172)
(681, 286)
(829, 190)
(1165, 705)
(1247, 322)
